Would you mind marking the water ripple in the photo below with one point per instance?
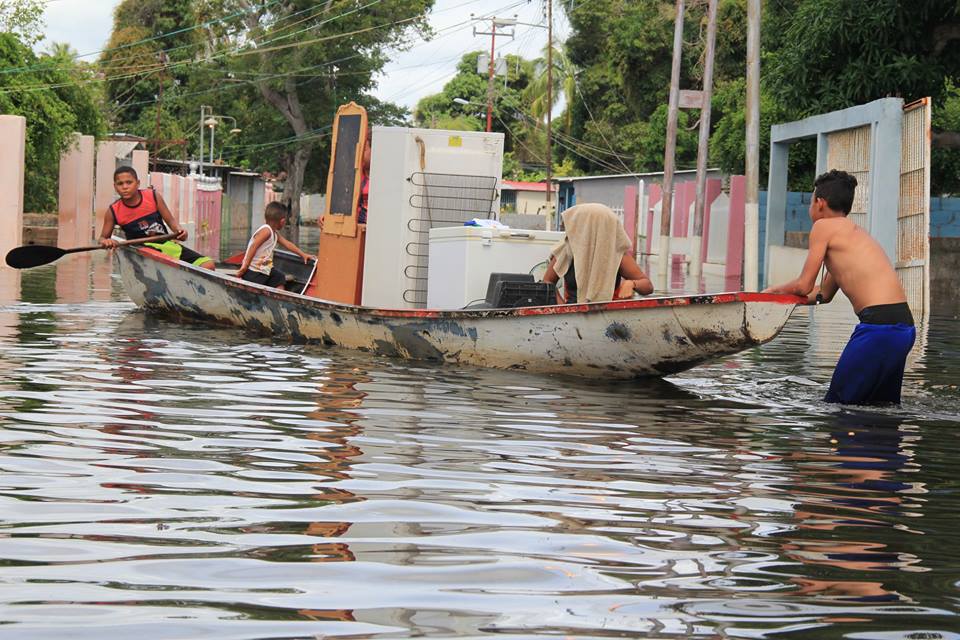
(168, 481)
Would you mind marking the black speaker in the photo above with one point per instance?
(496, 278)
(509, 294)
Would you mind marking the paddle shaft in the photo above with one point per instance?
(125, 243)
(35, 255)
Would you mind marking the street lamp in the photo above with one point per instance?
(210, 119)
(467, 103)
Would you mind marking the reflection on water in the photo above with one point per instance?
(168, 481)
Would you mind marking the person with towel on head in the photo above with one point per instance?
(594, 259)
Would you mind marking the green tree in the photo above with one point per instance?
(461, 105)
(623, 51)
(57, 97)
(297, 61)
(23, 18)
(831, 54)
(153, 48)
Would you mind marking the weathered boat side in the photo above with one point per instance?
(623, 339)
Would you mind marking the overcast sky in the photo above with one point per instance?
(420, 71)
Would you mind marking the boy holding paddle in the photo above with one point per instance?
(870, 370)
(142, 213)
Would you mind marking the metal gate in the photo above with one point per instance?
(913, 218)
(886, 146)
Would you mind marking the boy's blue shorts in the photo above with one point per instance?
(870, 370)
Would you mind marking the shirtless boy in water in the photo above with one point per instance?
(870, 370)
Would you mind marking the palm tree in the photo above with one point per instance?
(62, 50)
(564, 78)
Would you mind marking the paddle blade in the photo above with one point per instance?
(33, 255)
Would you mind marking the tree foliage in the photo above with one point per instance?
(152, 49)
(831, 54)
(23, 18)
(285, 67)
(817, 56)
(56, 97)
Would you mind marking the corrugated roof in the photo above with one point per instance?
(628, 175)
(515, 185)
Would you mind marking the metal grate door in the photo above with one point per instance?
(441, 200)
(913, 218)
(849, 150)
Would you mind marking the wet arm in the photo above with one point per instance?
(828, 288)
(803, 284)
(168, 218)
(107, 231)
(289, 246)
(550, 276)
(631, 272)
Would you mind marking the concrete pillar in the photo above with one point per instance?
(776, 208)
(735, 235)
(67, 196)
(886, 141)
(653, 224)
(630, 197)
(104, 193)
(13, 132)
(86, 216)
(75, 198)
(141, 164)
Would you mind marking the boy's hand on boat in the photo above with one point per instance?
(308, 257)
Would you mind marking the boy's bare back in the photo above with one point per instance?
(857, 263)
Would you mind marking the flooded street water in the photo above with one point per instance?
(177, 482)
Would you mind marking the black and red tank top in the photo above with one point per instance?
(142, 220)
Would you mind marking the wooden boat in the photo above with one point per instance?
(623, 339)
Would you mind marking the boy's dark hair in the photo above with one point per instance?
(125, 169)
(837, 188)
(275, 211)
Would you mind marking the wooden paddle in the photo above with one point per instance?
(34, 255)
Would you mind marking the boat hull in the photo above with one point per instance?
(623, 339)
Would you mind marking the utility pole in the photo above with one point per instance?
(493, 33)
(669, 155)
(493, 40)
(549, 102)
(751, 226)
(203, 108)
(696, 253)
(156, 132)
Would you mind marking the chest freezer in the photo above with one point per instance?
(462, 259)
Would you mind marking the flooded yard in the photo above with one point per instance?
(179, 481)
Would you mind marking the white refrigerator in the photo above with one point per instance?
(422, 179)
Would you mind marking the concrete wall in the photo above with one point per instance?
(522, 221)
(945, 217)
(609, 190)
(944, 267)
(311, 207)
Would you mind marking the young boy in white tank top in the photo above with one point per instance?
(257, 266)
